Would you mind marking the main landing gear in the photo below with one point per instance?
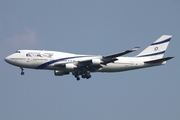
(77, 77)
(22, 71)
(83, 75)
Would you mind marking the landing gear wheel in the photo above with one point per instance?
(77, 78)
(83, 76)
(22, 73)
(88, 76)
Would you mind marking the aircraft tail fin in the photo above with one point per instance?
(157, 49)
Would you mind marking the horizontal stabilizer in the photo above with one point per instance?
(159, 60)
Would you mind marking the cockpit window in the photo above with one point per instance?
(17, 52)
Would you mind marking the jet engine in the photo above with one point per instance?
(96, 62)
(60, 73)
(70, 66)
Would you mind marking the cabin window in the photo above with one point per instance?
(28, 55)
(39, 55)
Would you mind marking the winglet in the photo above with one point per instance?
(135, 48)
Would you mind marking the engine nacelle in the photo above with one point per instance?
(96, 61)
(70, 66)
(60, 73)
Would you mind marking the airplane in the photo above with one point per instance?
(63, 63)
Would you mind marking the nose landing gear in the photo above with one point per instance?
(22, 71)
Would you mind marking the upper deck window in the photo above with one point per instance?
(17, 52)
(28, 55)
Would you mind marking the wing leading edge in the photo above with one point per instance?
(121, 53)
(113, 57)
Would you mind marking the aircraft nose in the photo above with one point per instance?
(7, 59)
(11, 59)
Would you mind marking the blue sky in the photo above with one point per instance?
(99, 27)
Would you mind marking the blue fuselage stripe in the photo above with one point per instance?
(57, 60)
(158, 53)
(161, 42)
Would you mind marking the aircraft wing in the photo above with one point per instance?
(106, 59)
(94, 64)
(112, 58)
(86, 65)
(121, 53)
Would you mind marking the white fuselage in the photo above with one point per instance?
(40, 59)
(82, 65)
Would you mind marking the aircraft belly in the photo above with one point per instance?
(122, 66)
(117, 67)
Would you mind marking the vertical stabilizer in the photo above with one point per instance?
(157, 49)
